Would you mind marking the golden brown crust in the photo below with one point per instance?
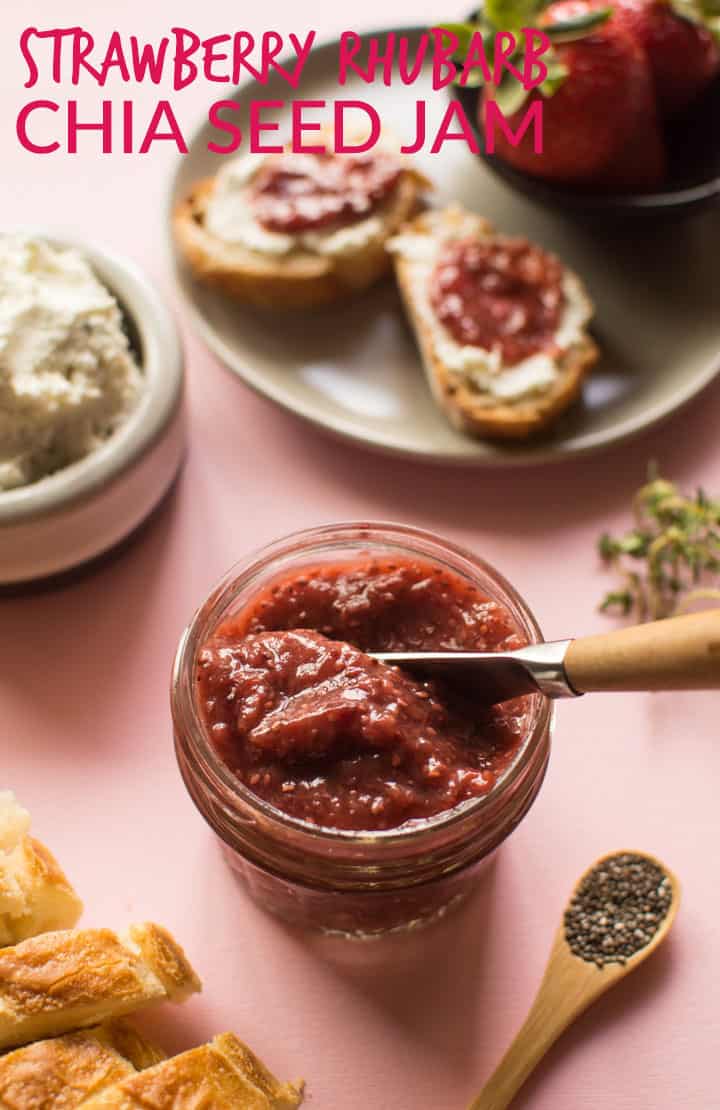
(130, 1044)
(35, 896)
(300, 280)
(67, 980)
(50, 901)
(57, 971)
(62, 1072)
(59, 1073)
(282, 1096)
(475, 413)
(216, 1076)
(163, 954)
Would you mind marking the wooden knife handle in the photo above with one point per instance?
(680, 653)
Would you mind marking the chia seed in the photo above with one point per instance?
(617, 909)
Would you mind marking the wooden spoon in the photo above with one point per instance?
(570, 984)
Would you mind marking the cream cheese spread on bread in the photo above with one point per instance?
(68, 377)
(230, 218)
(485, 368)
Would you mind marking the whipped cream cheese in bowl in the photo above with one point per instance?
(91, 420)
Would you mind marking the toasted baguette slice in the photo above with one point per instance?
(127, 1041)
(470, 409)
(222, 1075)
(59, 982)
(35, 896)
(301, 279)
(59, 1074)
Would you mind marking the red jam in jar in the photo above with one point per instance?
(499, 293)
(307, 192)
(313, 725)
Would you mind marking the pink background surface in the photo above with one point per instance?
(86, 743)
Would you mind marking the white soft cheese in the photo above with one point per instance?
(68, 378)
(229, 217)
(485, 368)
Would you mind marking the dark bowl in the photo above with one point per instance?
(693, 180)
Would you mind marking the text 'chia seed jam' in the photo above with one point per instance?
(305, 192)
(499, 293)
(314, 726)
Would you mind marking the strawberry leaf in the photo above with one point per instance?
(702, 13)
(568, 30)
(511, 15)
(509, 95)
(708, 15)
(464, 33)
(556, 75)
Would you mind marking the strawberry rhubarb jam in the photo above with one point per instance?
(306, 192)
(504, 294)
(311, 724)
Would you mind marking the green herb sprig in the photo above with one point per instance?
(670, 560)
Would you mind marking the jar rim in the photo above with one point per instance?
(207, 617)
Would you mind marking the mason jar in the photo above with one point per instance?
(341, 881)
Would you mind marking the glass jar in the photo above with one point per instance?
(346, 882)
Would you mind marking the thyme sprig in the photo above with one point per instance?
(670, 560)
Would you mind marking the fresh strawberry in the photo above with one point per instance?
(684, 56)
(641, 164)
(600, 126)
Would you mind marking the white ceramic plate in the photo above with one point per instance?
(354, 370)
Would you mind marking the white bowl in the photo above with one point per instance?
(87, 508)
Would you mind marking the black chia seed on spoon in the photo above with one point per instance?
(617, 909)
